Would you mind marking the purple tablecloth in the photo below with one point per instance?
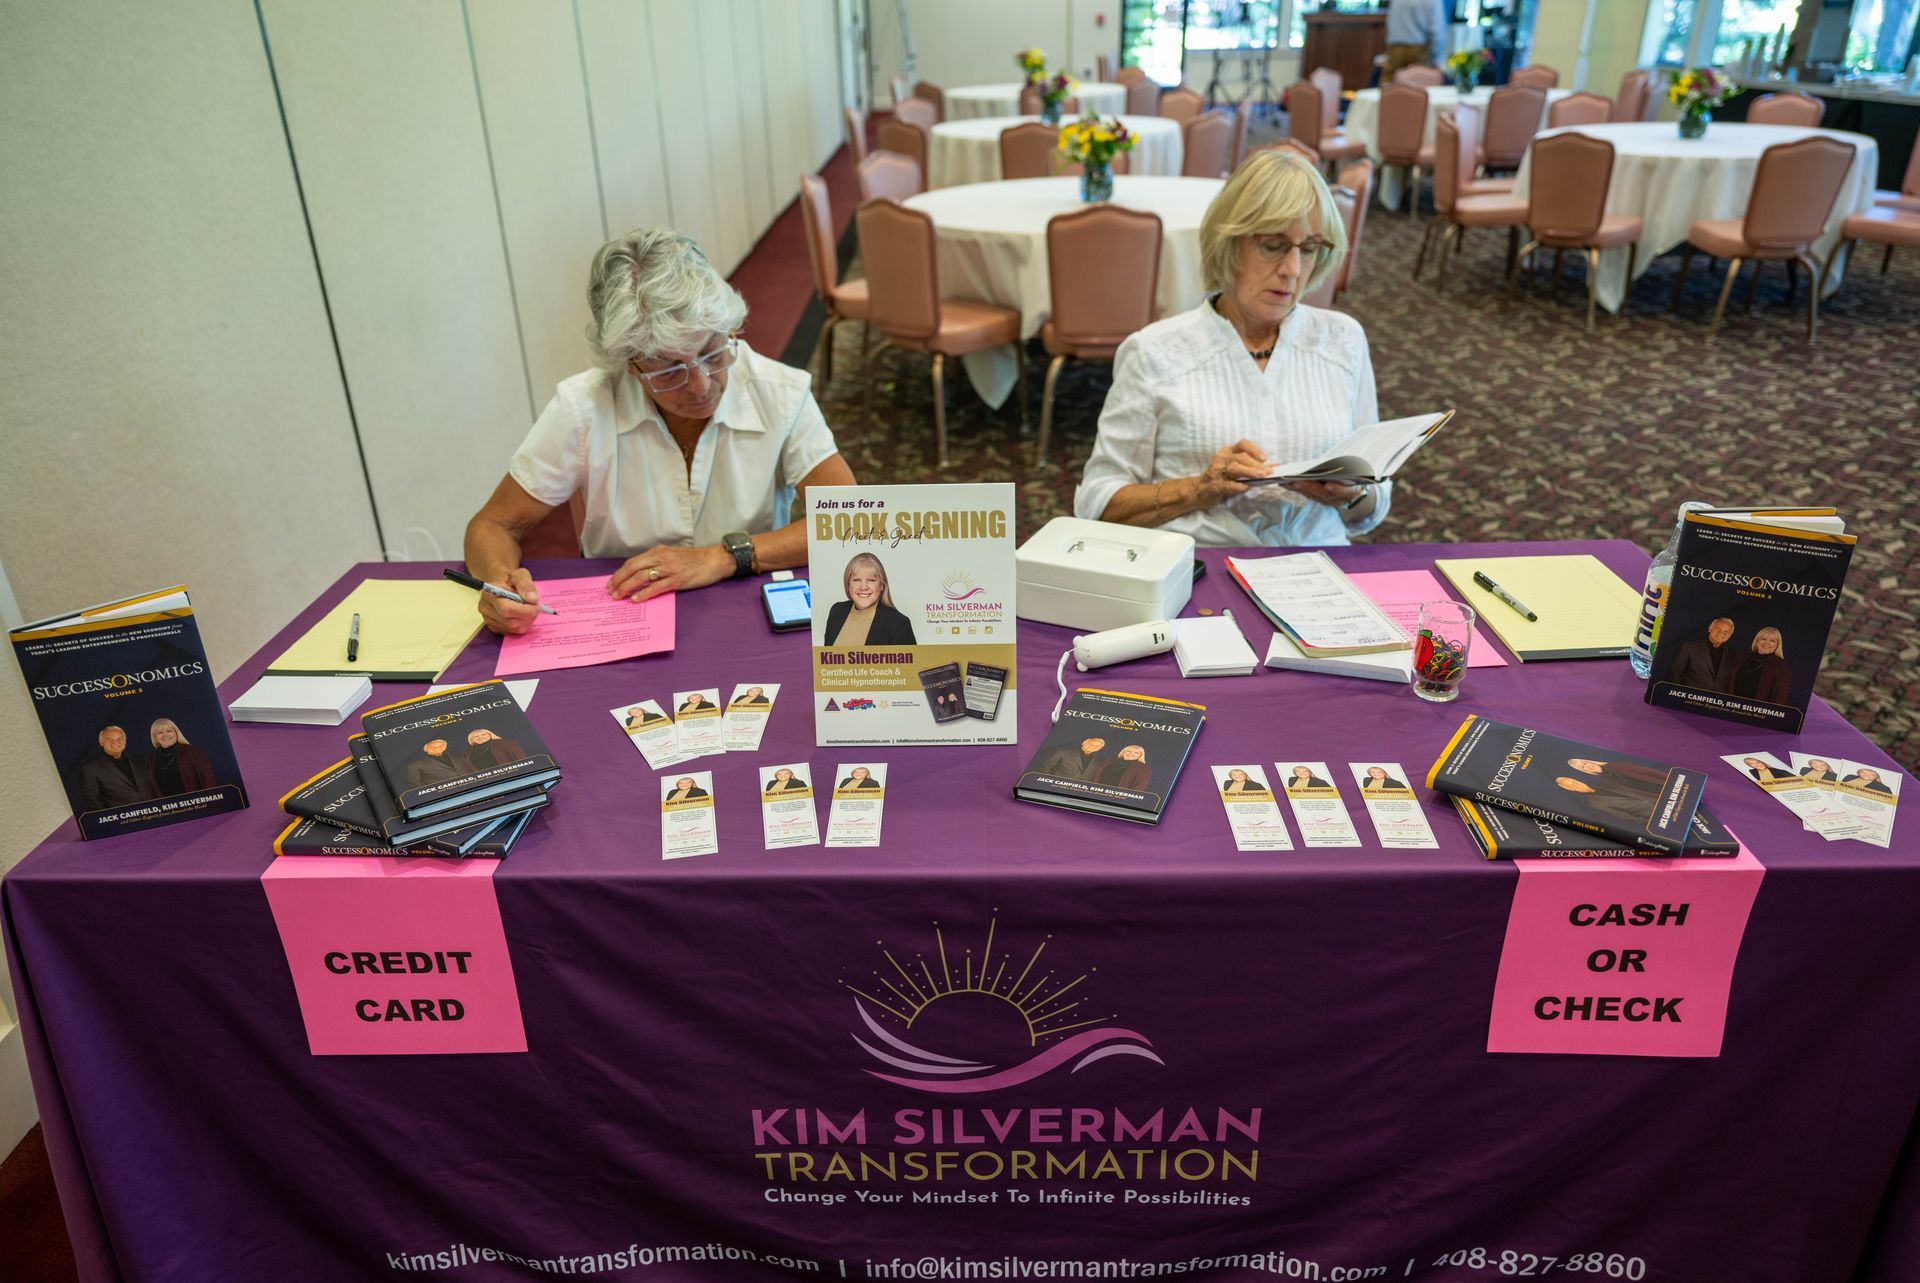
(1341, 994)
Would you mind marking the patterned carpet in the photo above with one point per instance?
(1559, 434)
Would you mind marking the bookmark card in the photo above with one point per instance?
(1829, 814)
(1317, 808)
(1872, 794)
(1806, 796)
(786, 806)
(747, 714)
(1251, 813)
(696, 718)
(651, 731)
(687, 822)
(1391, 805)
(861, 790)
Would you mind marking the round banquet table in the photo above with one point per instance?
(993, 247)
(968, 151)
(1363, 125)
(1671, 182)
(1004, 99)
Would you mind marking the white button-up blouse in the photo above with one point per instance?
(1184, 388)
(602, 436)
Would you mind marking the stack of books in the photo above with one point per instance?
(1522, 792)
(451, 774)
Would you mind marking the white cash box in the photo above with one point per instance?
(1096, 575)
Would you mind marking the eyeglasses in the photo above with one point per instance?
(675, 377)
(1276, 249)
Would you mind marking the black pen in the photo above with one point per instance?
(481, 585)
(353, 640)
(1479, 577)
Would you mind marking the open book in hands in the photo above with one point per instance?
(1370, 455)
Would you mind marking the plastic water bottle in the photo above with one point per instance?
(1653, 598)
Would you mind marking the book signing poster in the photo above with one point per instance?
(913, 625)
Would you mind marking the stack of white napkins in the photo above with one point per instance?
(1212, 646)
(304, 701)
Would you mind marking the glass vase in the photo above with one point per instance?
(1049, 112)
(1096, 183)
(1693, 122)
(1464, 84)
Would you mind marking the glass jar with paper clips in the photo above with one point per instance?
(1440, 649)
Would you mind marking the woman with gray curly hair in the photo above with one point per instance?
(686, 449)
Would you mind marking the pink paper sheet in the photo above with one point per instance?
(1401, 592)
(591, 628)
(362, 933)
(1656, 989)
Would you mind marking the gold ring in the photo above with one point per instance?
(653, 573)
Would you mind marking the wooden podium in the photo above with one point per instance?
(1347, 42)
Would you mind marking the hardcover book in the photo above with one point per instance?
(1634, 800)
(304, 836)
(129, 711)
(456, 831)
(1507, 835)
(1747, 615)
(1113, 754)
(441, 752)
(339, 797)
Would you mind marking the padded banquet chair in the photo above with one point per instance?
(1242, 117)
(1513, 118)
(1032, 150)
(1402, 129)
(916, 111)
(1329, 83)
(1181, 104)
(1292, 145)
(930, 93)
(1031, 102)
(844, 300)
(1794, 190)
(1881, 225)
(1580, 109)
(899, 250)
(1143, 93)
(887, 175)
(1908, 197)
(1306, 117)
(1459, 202)
(1420, 77)
(1567, 209)
(1103, 270)
(1799, 109)
(1103, 68)
(856, 121)
(1635, 102)
(903, 138)
(1208, 144)
(1537, 76)
(1350, 196)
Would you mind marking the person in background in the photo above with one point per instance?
(110, 777)
(1208, 399)
(688, 449)
(174, 766)
(1415, 28)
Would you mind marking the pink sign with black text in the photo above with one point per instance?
(396, 957)
(1626, 957)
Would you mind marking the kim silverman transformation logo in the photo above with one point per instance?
(964, 1016)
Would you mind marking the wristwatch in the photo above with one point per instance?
(740, 544)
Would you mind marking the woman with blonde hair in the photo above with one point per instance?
(1207, 400)
(1128, 769)
(1763, 672)
(174, 766)
(867, 616)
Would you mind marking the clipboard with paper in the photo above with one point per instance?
(1371, 455)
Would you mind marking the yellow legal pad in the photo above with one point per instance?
(410, 630)
(1586, 611)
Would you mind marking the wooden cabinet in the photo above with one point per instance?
(1347, 42)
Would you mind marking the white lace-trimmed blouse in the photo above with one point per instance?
(1185, 387)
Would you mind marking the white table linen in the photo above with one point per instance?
(970, 101)
(1671, 182)
(968, 151)
(1363, 126)
(993, 247)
